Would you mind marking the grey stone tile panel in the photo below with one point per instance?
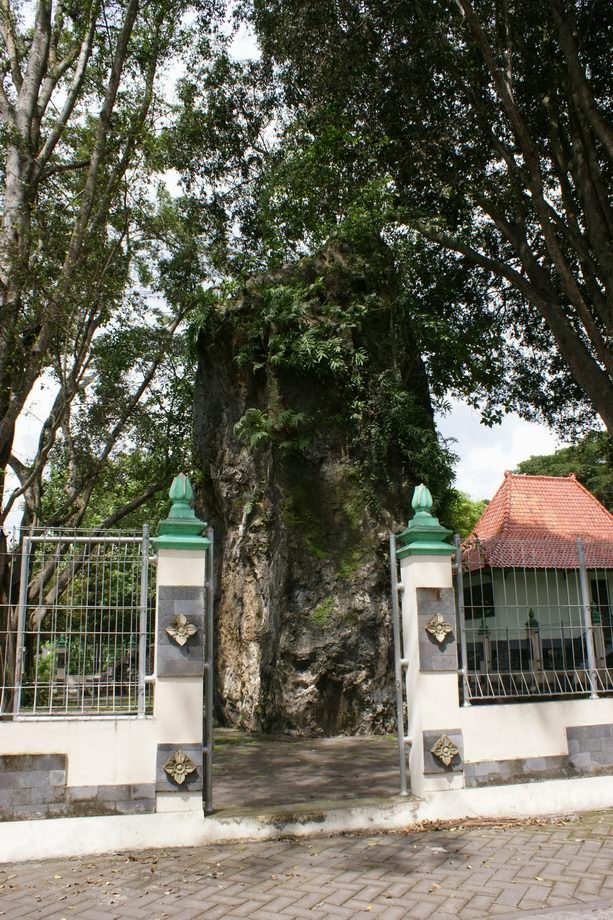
(432, 764)
(175, 660)
(164, 782)
(23, 762)
(34, 786)
(435, 656)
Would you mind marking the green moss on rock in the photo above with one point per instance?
(322, 613)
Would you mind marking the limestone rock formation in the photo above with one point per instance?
(300, 511)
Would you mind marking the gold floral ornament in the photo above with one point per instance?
(438, 627)
(445, 750)
(181, 629)
(179, 767)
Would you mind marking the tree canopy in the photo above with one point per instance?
(87, 242)
(590, 459)
(485, 124)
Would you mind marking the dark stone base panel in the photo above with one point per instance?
(432, 764)
(193, 782)
(530, 770)
(33, 786)
(30, 784)
(590, 746)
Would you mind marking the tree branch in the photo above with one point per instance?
(7, 27)
(581, 89)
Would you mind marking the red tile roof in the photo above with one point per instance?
(535, 521)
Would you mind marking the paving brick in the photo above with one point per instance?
(482, 873)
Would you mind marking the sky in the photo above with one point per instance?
(485, 453)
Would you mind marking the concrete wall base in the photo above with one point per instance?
(62, 837)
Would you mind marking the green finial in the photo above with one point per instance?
(424, 535)
(532, 622)
(181, 494)
(422, 499)
(181, 529)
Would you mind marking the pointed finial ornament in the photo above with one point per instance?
(181, 494)
(181, 529)
(425, 535)
(422, 500)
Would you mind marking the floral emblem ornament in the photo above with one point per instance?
(445, 750)
(179, 767)
(181, 629)
(438, 627)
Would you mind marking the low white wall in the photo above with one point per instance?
(99, 751)
(501, 732)
(112, 750)
(64, 837)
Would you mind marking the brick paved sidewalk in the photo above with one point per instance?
(463, 872)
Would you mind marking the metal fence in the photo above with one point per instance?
(531, 628)
(76, 627)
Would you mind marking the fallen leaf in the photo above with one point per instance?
(537, 878)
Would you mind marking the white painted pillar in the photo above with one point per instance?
(432, 672)
(179, 654)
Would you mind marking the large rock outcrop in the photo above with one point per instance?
(303, 475)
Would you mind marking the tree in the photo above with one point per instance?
(89, 247)
(488, 122)
(83, 243)
(464, 512)
(262, 191)
(590, 459)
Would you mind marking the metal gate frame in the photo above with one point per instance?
(209, 676)
(400, 667)
(30, 540)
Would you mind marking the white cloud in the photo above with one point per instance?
(485, 453)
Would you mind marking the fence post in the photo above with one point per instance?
(209, 677)
(404, 740)
(459, 585)
(587, 621)
(20, 644)
(179, 653)
(430, 647)
(143, 622)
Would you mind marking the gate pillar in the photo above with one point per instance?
(430, 651)
(181, 638)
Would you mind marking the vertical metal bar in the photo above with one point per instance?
(22, 604)
(209, 677)
(398, 667)
(587, 620)
(143, 622)
(459, 593)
